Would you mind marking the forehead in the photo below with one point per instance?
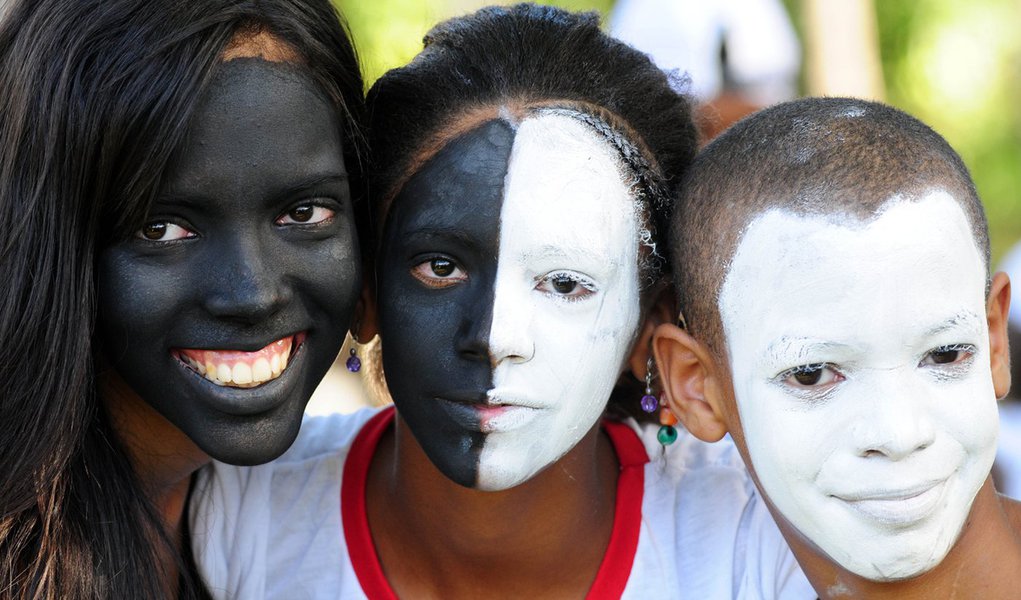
(550, 170)
(914, 264)
(258, 122)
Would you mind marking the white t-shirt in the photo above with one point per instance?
(688, 522)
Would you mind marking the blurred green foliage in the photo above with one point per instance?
(388, 33)
(955, 65)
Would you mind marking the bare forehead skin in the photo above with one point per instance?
(259, 43)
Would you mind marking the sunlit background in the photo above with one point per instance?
(956, 65)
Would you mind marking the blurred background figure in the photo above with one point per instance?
(955, 65)
(740, 55)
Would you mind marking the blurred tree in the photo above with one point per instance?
(388, 33)
(957, 66)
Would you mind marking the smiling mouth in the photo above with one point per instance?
(900, 508)
(240, 369)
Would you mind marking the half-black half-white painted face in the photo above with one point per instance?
(510, 296)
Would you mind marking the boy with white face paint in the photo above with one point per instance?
(838, 321)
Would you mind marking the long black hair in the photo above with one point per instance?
(96, 96)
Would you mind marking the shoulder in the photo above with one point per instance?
(320, 449)
(274, 529)
(701, 508)
(326, 434)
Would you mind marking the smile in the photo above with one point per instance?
(240, 369)
(899, 508)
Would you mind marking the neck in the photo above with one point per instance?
(984, 563)
(438, 539)
(162, 456)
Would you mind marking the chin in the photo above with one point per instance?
(253, 443)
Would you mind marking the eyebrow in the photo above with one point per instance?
(965, 318)
(789, 349)
(311, 183)
(197, 200)
(550, 251)
(454, 234)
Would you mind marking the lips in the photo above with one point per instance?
(238, 368)
(488, 413)
(901, 507)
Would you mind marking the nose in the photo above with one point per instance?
(243, 282)
(510, 336)
(499, 330)
(895, 421)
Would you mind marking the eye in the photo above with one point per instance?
(439, 272)
(814, 376)
(163, 231)
(948, 355)
(566, 284)
(306, 214)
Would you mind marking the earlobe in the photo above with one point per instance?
(365, 324)
(686, 371)
(999, 349)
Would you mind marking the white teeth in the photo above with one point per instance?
(242, 373)
(261, 371)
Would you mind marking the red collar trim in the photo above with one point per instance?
(614, 570)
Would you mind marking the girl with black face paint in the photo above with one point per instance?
(178, 185)
(524, 166)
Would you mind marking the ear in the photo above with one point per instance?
(365, 325)
(999, 349)
(661, 310)
(687, 372)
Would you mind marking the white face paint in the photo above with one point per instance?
(566, 303)
(876, 447)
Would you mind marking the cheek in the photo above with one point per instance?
(137, 298)
(330, 274)
(969, 415)
(786, 445)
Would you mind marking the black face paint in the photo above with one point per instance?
(446, 220)
(252, 241)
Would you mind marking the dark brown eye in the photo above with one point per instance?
(564, 285)
(942, 357)
(810, 376)
(154, 231)
(301, 214)
(441, 267)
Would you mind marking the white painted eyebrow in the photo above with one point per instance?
(964, 319)
(794, 351)
(574, 252)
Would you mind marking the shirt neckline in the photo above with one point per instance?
(614, 570)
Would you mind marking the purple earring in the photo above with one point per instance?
(354, 364)
(649, 401)
(667, 434)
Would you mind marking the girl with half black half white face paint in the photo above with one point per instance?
(178, 184)
(525, 165)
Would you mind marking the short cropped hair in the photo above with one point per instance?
(814, 156)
